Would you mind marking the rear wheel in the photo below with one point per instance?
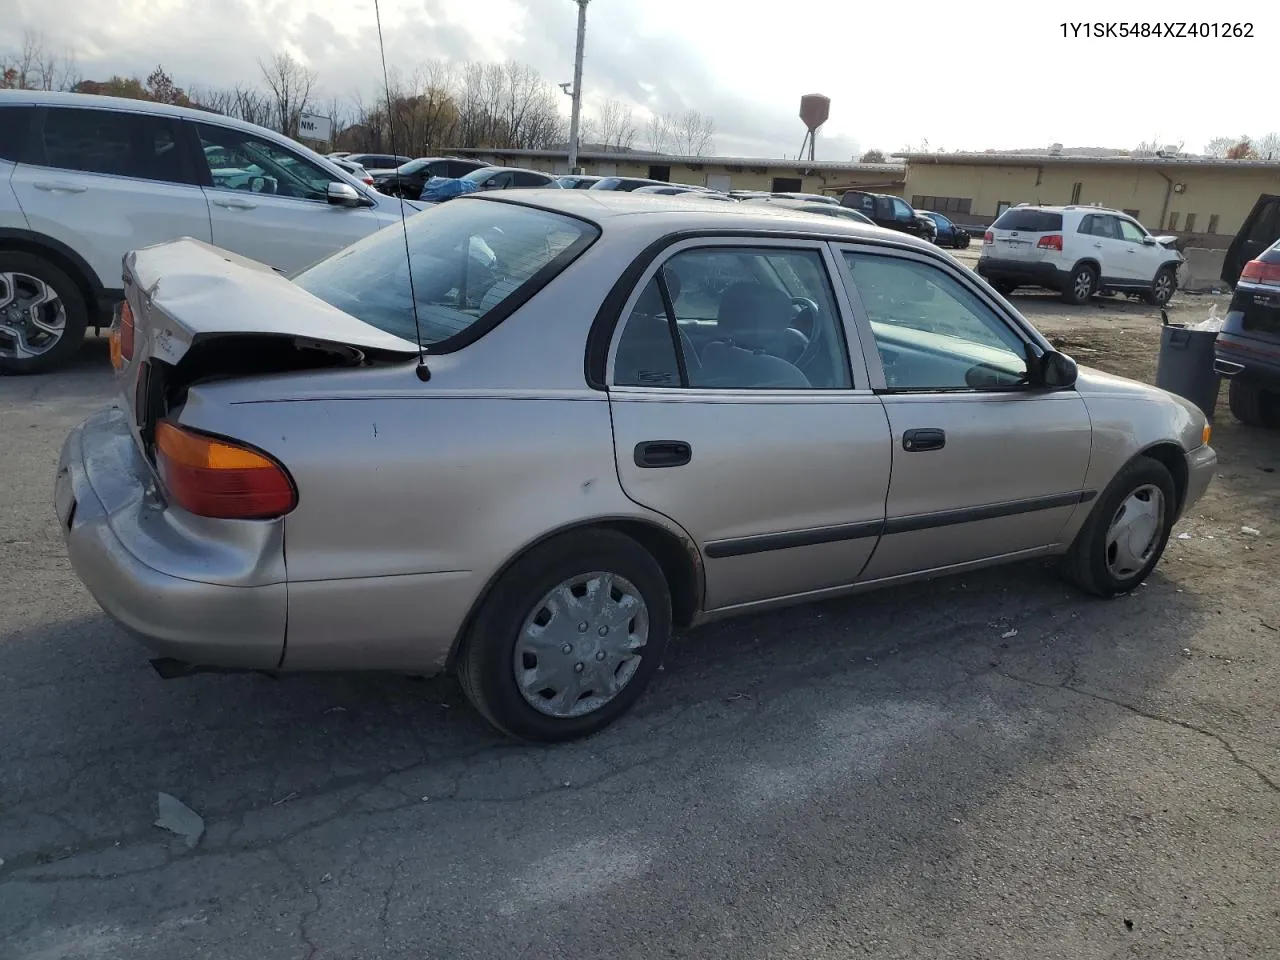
(1082, 284)
(1252, 405)
(1162, 287)
(568, 638)
(43, 314)
(1125, 535)
(1004, 287)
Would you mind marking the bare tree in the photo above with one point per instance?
(692, 133)
(617, 129)
(290, 84)
(1218, 146)
(1268, 147)
(659, 134)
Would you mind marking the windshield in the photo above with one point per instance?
(469, 258)
(413, 166)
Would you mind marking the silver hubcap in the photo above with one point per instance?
(1134, 531)
(32, 316)
(581, 645)
(1084, 284)
(1163, 284)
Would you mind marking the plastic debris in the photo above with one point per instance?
(1251, 531)
(1211, 323)
(1008, 633)
(326, 878)
(1184, 536)
(176, 817)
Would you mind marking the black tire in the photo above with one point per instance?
(1004, 287)
(1253, 406)
(485, 663)
(1163, 287)
(1081, 285)
(77, 311)
(1085, 564)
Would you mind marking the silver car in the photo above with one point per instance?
(630, 415)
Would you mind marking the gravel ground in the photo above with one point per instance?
(989, 766)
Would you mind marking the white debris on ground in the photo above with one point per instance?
(176, 817)
(1251, 531)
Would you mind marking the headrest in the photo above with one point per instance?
(753, 314)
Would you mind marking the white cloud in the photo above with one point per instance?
(964, 76)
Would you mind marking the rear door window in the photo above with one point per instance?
(15, 123)
(112, 142)
(1029, 221)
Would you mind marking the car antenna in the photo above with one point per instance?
(424, 374)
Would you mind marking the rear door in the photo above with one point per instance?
(983, 467)
(105, 182)
(270, 204)
(1100, 233)
(777, 468)
(1259, 230)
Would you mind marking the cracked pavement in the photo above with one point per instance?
(898, 775)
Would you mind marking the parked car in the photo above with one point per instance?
(378, 161)
(1261, 228)
(886, 210)
(1247, 349)
(625, 184)
(1079, 251)
(949, 233)
(409, 179)
(808, 197)
(682, 190)
(807, 206)
(526, 506)
(357, 171)
(84, 179)
(440, 189)
(577, 181)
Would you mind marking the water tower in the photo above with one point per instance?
(814, 110)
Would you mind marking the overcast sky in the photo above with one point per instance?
(976, 75)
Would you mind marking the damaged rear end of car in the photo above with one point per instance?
(174, 523)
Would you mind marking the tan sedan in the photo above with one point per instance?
(632, 414)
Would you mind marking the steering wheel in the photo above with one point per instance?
(812, 340)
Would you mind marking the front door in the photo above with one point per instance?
(738, 414)
(1139, 260)
(271, 205)
(983, 466)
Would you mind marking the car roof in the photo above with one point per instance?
(495, 166)
(656, 215)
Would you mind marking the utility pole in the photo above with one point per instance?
(576, 111)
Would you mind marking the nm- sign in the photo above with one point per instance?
(313, 127)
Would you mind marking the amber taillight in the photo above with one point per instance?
(212, 477)
(121, 337)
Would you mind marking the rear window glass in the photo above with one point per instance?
(469, 257)
(1033, 221)
(14, 124)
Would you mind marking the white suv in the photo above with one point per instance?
(85, 179)
(1080, 251)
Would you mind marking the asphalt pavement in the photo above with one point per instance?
(985, 767)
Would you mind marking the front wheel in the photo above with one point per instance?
(568, 638)
(1126, 534)
(1162, 288)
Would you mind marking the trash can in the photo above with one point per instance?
(1185, 365)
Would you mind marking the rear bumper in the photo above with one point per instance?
(206, 593)
(1248, 358)
(1021, 272)
(1202, 464)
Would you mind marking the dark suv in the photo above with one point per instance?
(889, 211)
(1247, 349)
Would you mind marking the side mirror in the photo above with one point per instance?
(1149, 241)
(1057, 370)
(343, 194)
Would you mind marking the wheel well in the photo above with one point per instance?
(677, 557)
(1170, 456)
(1088, 262)
(68, 265)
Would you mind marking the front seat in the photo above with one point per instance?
(752, 322)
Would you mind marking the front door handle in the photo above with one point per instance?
(925, 438)
(663, 453)
(59, 186)
(235, 204)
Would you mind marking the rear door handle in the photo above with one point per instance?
(925, 438)
(234, 204)
(663, 453)
(59, 186)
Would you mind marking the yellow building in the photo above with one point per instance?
(719, 173)
(1205, 201)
